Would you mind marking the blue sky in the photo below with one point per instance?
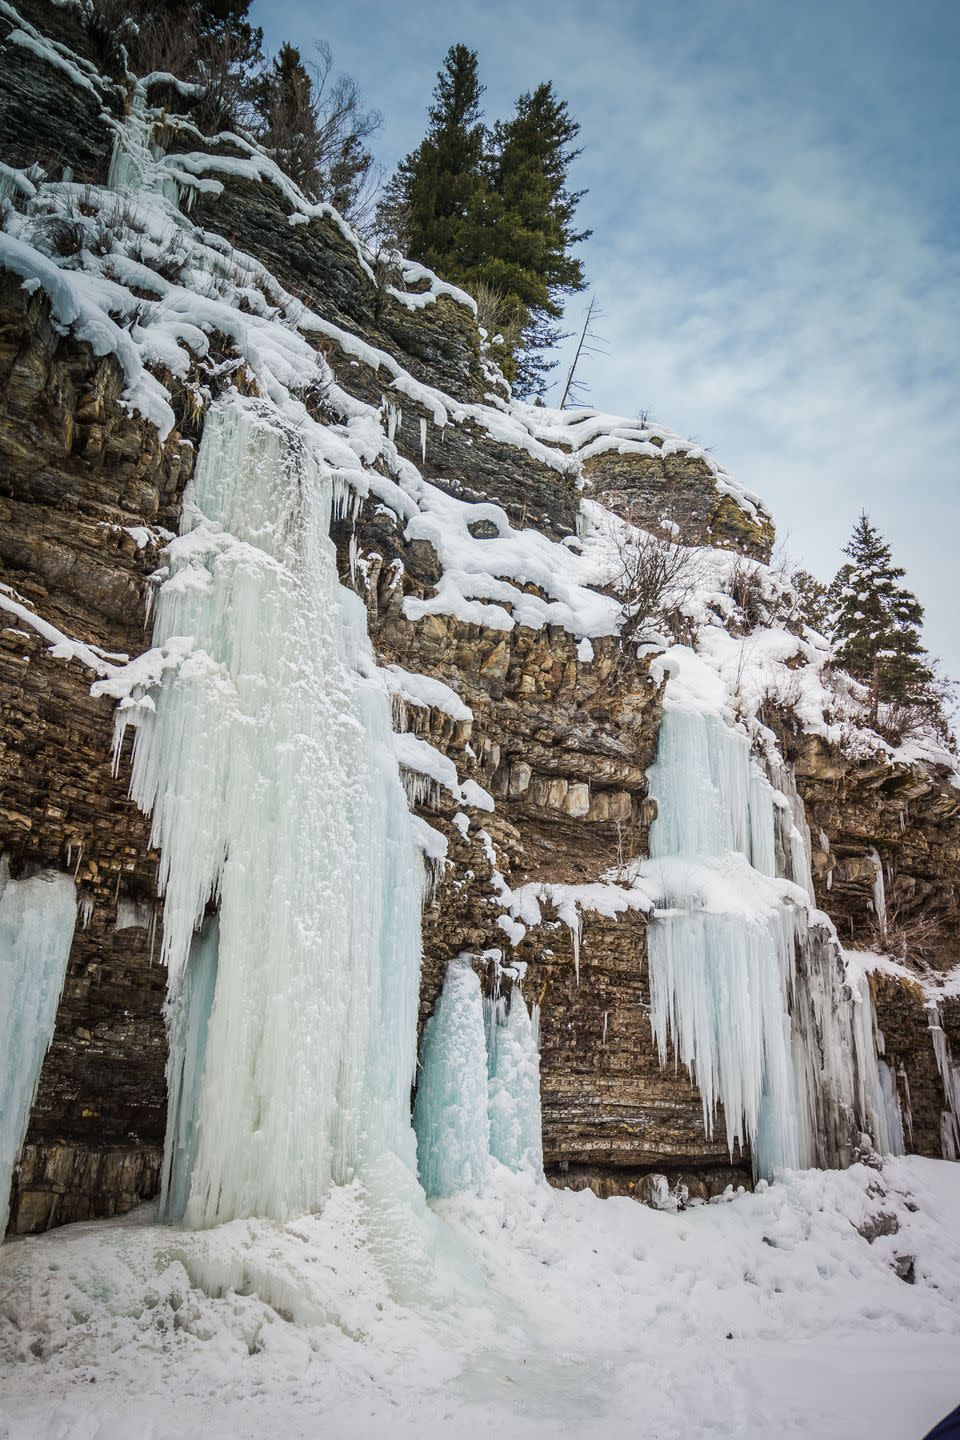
(774, 191)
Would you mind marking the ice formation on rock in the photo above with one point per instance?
(266, 762)
(189, 1021)
(516, 1125)
(37, 919)
(450, 1115)
(746, 981)
(479, 1089)
(950, 1077)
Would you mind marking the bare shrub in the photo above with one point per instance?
(497, 315)
(902, 720)
(385, 262)
(656, 577)
(904, 935)
(314, 123)
(171, 40)
(748, 592)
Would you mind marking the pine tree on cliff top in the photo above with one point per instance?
(314, 123)
(876, 623)
(529, 232)
(431, 204)
(283, 96)
(492, 212)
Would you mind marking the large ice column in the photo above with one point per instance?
(721, 946)
(701, 780)
(879, 892)
(266, 764)
(136, 163)
(37, 918)
(717, 992)
(450, 1114)
(875, 1097)
(793, 846)
(516, 1124)
(747, 982)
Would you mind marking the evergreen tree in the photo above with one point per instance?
(529, 234)
(493, 211)
(813, 600)
(215, 18)
(314, 125)
(431, 205)
(876, 623)
(283, 96)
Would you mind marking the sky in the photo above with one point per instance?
(774, 194)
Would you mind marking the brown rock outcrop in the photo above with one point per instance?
(680, 488)
(901, 821)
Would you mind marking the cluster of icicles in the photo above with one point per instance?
(746, 978)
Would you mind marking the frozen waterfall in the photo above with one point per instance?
(450, 1113)
(746, 981)
(265, 759)
(513, 1060)
(479, 1090)
(37, 918)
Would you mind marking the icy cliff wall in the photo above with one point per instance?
(150, 270)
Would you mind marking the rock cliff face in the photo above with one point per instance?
(561, 740)
(79, 481)
(887, 868)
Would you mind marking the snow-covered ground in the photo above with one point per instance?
(528, 1312)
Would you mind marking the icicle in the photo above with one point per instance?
(267, 765)
(950, 1076)
(422, 791)
(879, 892)
(906, 1107)
(423, 440)
(37, 919)
(763, 850)
(514, 1086)
(878, 1110)
(716, 988)
(794, 844)
(450, 1114)
(136, 164)
(133, 914)
(189, 1023)
(895, 1144)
